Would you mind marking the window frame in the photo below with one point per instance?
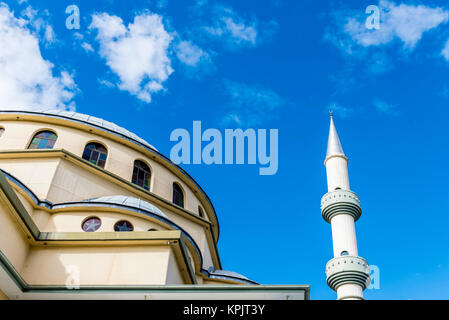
(182, 205)
(88, 218)
(150, 172)
(34, 136)
(106, 153)
(128, 222)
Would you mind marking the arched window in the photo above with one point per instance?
(344, 253)
(2, 130)
(200, 211)
(95, 153)
(178, 195)
(43, 140)
(141, 174)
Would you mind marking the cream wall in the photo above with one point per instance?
(59, 180)
(37, 174)
(207, 259)
(96, 264)
(3, 296)
(71, 219)
(137, 265)
(173, 274)
(12, 241)
(120, 161)
(68, 221)
(73, 183)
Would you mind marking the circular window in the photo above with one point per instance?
(123, 225)
(91, 224)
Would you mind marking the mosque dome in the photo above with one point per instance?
(86, 119)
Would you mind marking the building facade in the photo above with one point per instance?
(88, 210)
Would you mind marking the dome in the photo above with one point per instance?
(86, 119)
(128, 202)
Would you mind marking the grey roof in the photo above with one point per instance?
(231, 275)
(334, 146)
(129, 202)
(84, 118)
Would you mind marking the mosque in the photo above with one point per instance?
(88, 210)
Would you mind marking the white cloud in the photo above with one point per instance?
(340, 110)
(162, 3)
(26, 78)
(49, 35)
(78, 36)
(237, 31)
(79, 41)
(251, 104)
(378, 63)
(137, 54)
(232, 118)
(445, 52)
(444, 92)
(29, 13)
(240, 31)
(106, 83)
(190, 54)
(87, 47)
(405, 22)
(384, 107)
(39, 24)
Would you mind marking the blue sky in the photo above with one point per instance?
(154, 66)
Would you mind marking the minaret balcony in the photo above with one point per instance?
(340, 202)
(348, 270)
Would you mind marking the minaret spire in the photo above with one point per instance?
(347, 273)
(334, 146)
(337, 169)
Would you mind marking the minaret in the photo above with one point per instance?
(347, 273)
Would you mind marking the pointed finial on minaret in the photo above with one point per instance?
(334, 147)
